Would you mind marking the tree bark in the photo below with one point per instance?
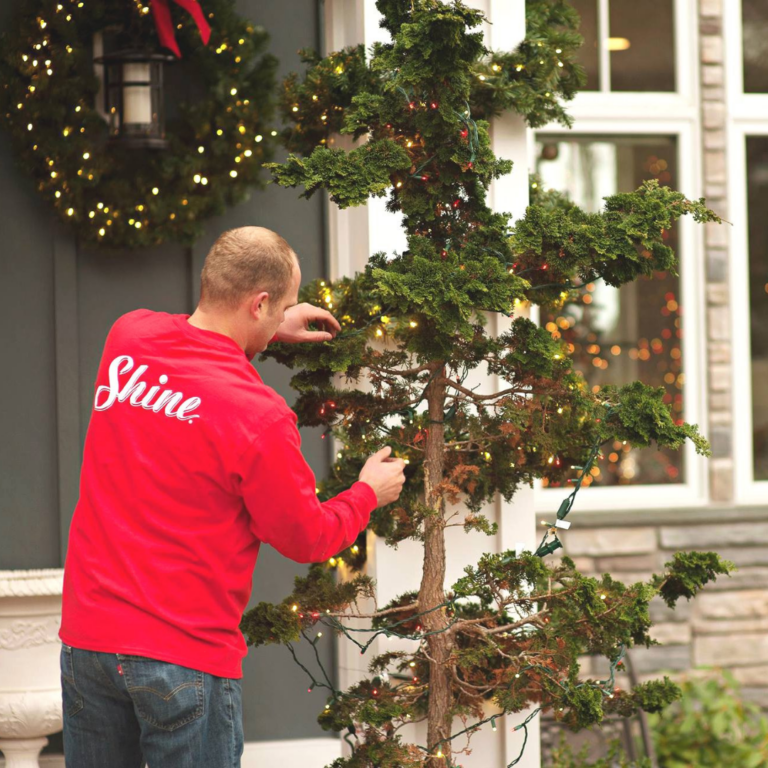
(431, 592)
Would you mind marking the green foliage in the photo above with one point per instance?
(350, 177)
(644, 417)
(95, 188)
(515, 626)
(556, 243)
(564, 757)
(687, 572)
(710, 727)
(656, 695)
(540, 74)
(314, 594)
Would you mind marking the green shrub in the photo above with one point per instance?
(710, 727)
(564, 757)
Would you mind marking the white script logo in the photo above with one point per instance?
(134, 389)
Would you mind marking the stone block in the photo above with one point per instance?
(730, 650)
(714, 140)
(716, 234)
(744, 556)
(720, 439)
(711, 42)
(717, 293)
(743, 578)
(719, 419)
(746, 604)
(757, 675)
(713, 114)
(721, 480)
(714, 166)
(755, 695)
(711, 627)
(718, 323)
(659, 657)
(720, 401)
(711, 8)
(717, 265)
(648, 562)
(719, 377)
(673, 633)
(719, 352)
(609, 541)
(716, 536)
(713, 191)
(625, 577)
(712, 74)
(661, 613)
(713, 93)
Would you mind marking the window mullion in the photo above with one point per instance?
(604, 54)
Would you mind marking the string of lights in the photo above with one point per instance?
(544, 548)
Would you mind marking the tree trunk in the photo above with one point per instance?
(431, 592)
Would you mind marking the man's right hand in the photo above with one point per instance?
(385, 475)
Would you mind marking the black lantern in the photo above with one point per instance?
(133, 97)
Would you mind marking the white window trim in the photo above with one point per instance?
(747, 115)
(691, 267)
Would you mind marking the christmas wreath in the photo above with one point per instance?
(125, 197)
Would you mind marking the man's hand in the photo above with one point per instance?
(385, 475)
(294, 328)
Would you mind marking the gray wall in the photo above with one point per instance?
(57, 303)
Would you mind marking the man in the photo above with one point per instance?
(190, 463)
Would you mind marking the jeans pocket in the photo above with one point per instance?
(166, 695)
(71, 698)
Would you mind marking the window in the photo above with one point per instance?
(755, 45)
(757, 204)
(746, 48)
(628, 45)
(633, 332)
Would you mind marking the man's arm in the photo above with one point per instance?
(279, 491)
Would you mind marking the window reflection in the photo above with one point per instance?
(639, 38)
(757, 191)
(755, 41)
(588, 54)
(633, 332)
(642, 45)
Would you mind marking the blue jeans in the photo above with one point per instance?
(124, 711)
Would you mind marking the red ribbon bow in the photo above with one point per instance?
(164, 23)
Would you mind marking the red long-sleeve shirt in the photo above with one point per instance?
(190, 463)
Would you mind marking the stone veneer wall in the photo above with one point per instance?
(718, 314)
(727, 624)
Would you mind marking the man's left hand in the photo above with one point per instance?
(294, 328)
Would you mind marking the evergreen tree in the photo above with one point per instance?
(511, 630)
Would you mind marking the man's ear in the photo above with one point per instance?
(261, 298)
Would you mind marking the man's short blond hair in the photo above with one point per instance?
(245, 261)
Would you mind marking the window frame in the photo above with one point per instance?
(694, 490)
(746, 115)
(679, 103)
